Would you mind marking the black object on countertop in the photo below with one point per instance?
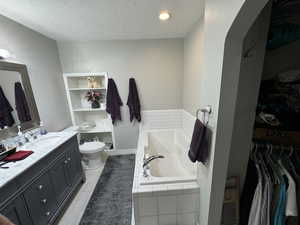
(199, 144)
(21, 103)
(133, 101)
(113, 101)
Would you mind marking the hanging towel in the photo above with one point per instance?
(6, 118)
(133, 101)
(199, 144)
(21, 104)
(113, 101)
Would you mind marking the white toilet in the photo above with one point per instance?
(92, 155)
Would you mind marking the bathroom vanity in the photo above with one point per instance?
(36, 190)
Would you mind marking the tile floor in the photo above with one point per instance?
(74, 212)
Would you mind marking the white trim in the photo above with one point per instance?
(100, 74)
(121, 151)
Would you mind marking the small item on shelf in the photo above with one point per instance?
(269, 119)
(92, 83)
(94, 98)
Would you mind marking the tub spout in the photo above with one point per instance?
(149, 159)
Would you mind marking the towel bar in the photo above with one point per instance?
(206, 110)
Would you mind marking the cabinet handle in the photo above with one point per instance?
(66, 161)
(40, 187)
(47, 214)
(44, 201)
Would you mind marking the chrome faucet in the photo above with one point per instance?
(149, 159)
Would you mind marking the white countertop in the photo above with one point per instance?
(40, 147)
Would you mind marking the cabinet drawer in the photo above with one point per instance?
(40, 200)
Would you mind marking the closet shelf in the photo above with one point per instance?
(277, 136)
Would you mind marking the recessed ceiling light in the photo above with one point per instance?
(164, 15)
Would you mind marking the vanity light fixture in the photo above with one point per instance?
(4, 54)
(164, 15)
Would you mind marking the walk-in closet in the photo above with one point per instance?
(270, 187)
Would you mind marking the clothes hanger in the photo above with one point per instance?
(274, 165)
(269, 164)
(288, 162)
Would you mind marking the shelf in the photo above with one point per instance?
(88, 110)
(76, 75)
(86, 89)
(97, 130)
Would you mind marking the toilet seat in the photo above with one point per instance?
(91, 147)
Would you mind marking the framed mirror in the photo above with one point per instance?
(17, 103)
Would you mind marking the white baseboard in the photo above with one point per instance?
(121, 151)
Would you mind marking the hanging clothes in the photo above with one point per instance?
(291, 204)
(248, 192)
(277, 189)
(21, 104)
(133, 101)
(267, 192)
(255, 212)
(6, 118)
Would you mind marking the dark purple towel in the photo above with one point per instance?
(199, 144)
(113, 101)
(133, 101)
(21, 103)
(6, 118)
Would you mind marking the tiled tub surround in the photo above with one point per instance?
(170, 195)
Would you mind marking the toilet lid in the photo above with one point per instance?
(92, 147)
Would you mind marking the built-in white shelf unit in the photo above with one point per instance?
(76, 85)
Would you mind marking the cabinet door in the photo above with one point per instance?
(16, 211)
(59, 178)
(74, 164)
(40, 200)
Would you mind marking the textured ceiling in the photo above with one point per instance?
(83, 20)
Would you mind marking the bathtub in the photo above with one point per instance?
(176, 166)
(171, 191)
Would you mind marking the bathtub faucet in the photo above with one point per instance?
(149, 159)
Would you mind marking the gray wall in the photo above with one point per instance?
(193, 65)
(248, 90)
(40, 54)
(157, 66)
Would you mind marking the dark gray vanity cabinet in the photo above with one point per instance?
(16, 211)
(39, 194)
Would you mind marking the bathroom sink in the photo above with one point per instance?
(44, 142)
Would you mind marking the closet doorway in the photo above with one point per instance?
(265, 141)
